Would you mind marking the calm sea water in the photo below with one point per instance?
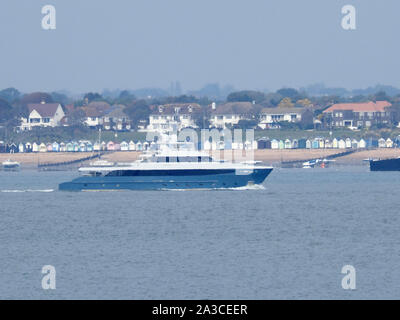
(289, 240)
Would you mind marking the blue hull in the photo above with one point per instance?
(195, 180)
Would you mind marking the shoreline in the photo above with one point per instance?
(267, 156)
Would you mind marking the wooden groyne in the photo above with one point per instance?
(66, 164)
(299, 163)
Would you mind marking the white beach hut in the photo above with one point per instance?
(132, 146)
(288, 144)
(362, 144)
(97, 146)
(124, 146)
(55, 147)
(335, 144)
(342, 144)
(42, 147)
(35, 147)
(274, 144)
(328, 144)
(389, 143)
(381, 143)
(21, 148)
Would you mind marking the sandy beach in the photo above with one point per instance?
(267, 156)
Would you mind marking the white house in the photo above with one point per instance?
(229, 114)
(42, 115)
(270, 116)
(173, 117)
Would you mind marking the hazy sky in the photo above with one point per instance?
(251, 44)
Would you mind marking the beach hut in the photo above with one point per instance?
(302, 144)
(341, 144)
(362, 144)
(262, 144)
(89, 146)
(63, 147)
(28, 147)
(124, 146)
(12, 148)
(308, 144)
(381, 143)
(295, 144)
(206, 145)
(372, 143)
(55, 147)
(110, 146)
(35, 147)
(82, 147)
(348, 143)
(42, 147)
(220, 145)
(2, 147)
(49, 147)
(117, 146)
(21, 148)
(354, 144)
(321, 143)
(328, 144)
(70, 147)
(97, 146)
(76, 146)
(397, 141)
(389, 143)
(132, 146)
(139, 146)
(281, 144)
(103, 146)
(335, 143)
(315, 144)
(288, 144)
(274, 144)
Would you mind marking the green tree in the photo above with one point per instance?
(288, 92)
(5, 111)
(246, 96)
(10, 95)
(36, 97)
(138, 110)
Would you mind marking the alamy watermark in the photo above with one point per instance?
(349, 18)
(349, 280)
(49, 19)
(49, 278)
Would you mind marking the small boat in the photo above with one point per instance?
(309, 164)
(9, 165)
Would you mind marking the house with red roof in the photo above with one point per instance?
(358, 115)
(42, 115)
